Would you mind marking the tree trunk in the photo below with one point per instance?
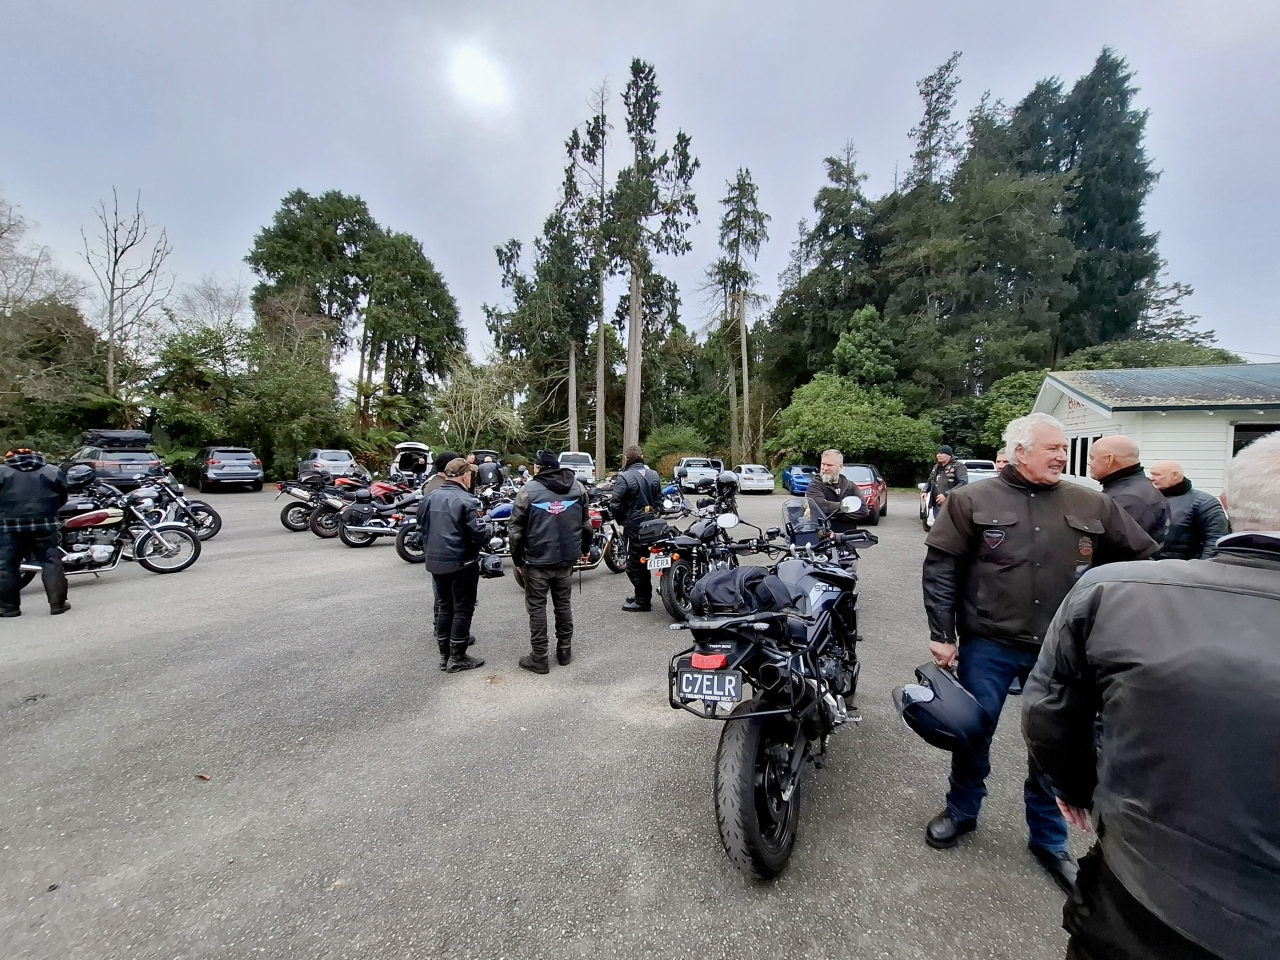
(364, 347)
(111, 343)
(635, 343)
(601, 466)
(747, 446)
(735, 443)
(573, 395)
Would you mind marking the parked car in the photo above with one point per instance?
(215, 465)
(753, 477)
(872, 487)
(336, 463)
(690, 471)
(582, 464)
(980, 469)
(411, 457)
(118, 465)
(795, 479)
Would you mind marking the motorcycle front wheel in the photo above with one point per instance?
(615, 554)
(675, 586)
(296, 516)
(353, 539)
(409, 545)
(167, 551)
(208, 520)
(324, 522)
(757, 826)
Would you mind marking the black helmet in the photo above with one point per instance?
(727, 482)
(80, 476)
(491, 566)
(944, 713)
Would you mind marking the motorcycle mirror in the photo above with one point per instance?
(850, 505)
(681, 473)
(922, 487)
(727, 521)
(773, 532)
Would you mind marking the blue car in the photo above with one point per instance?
(795, 479)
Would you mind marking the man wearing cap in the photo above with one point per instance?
(31, 491)
(437, 476)
(453, 536)
(947, 474)
(550, 530)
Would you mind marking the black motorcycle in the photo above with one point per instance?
(685, 557)
(362, 522)
(789, 634)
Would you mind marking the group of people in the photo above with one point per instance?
(1151, 708)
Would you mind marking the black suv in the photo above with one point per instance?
(217, 465)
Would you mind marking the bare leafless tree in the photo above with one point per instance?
(213, 303)
(27, 271)
(129, 269)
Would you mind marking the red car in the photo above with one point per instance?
(871, 487)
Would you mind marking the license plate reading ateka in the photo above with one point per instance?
(721, 686)
(659, 563)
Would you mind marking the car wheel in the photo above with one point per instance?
(884, 510)
(256, 486)
(872, 520)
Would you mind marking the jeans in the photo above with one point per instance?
(456, 593)
(538, 582)
(638, 573)
(986, 670)
(44, 549)
(1107, 922)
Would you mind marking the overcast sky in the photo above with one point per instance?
(449, 118)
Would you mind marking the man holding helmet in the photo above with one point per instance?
(550, 529)
(827, 491)
(1000, 559)
(31, 491)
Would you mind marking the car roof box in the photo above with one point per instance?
(118, 439)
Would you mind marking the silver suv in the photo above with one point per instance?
(337, 463)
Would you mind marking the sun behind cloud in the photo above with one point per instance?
(477, 79)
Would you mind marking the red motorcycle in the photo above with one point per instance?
(326, 518)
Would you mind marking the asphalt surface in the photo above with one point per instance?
(360, 803)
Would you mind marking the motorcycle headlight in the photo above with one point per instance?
(179, 489)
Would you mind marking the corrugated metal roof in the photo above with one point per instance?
(1230, 385)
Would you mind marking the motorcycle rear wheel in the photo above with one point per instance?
(675, 586)
(324, 522)
(757, 827)
(615, 554)
(410, 551)
(353, 539)
(210, 520)
(167, 551)
(296, 516)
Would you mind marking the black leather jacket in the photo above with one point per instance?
(636, 494)
(453, 535)
(550, 523)
(826, 498)
(31, 489)
(1134, 491)
(1197, 522)
(1179, 660)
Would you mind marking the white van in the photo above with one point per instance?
(582, 465)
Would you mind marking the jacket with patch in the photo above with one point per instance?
(550, 522)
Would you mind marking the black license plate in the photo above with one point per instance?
(720, 686)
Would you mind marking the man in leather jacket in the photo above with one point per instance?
(1001, 557)
(31, 491)
(1179, 660)
(826, 493)
(1114, 463)
(550, 531)
(489, 474)
(453, 536)
(1196, 520)
(636, 495)
(947, 474)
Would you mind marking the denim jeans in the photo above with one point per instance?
(986, 670)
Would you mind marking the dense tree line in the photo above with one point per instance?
(1015, 243)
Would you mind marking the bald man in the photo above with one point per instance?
(1197, 519)
(1114, 462)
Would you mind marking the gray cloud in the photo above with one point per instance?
(215, 111)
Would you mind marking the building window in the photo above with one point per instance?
(1246, 433)
(1078, 455)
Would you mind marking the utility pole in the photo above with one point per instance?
(573, 396)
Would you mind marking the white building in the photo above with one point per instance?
(1198, 416)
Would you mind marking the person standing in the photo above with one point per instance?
(489, 474)
(1196, 519)
(1114, 462)
(453, 536)
(1000, 559)
(31, 491)
(636, 494)
(1002, 459)
(947, 474)
(437, 477)
(826, 493)
(1180, 662)
(550, 530)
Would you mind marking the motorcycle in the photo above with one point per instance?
(685, 557)
(790, 633)
(170, 505)
(495, 510)
(101, 526)
(615, 548)
(325, 521)
(362, 522)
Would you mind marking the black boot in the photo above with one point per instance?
(1062, 868)
(564, 654)
(942, 832)
(57, 608)
(458, 659)
(636, 606)
(444, 651)
(10, 612)
(535, 664)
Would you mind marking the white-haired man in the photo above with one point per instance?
(1179, 659)
(1000, 559)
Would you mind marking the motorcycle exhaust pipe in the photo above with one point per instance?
(772, 676)
(374, 530)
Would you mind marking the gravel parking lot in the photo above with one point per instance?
(360, 803)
